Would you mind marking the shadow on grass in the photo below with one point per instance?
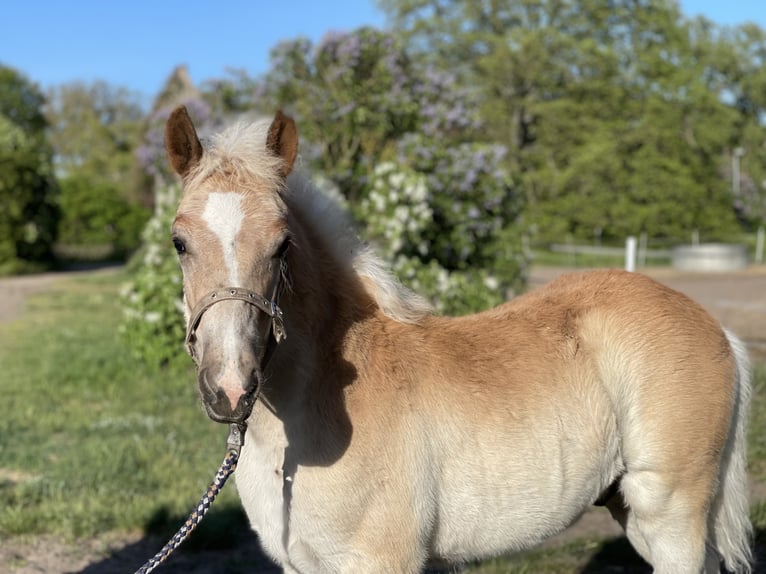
(617, 556)
(222, 543)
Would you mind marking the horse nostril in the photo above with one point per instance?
(207, 385)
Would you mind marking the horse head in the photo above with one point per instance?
(232, 237)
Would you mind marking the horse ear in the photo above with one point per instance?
(282, 141)
(181, 142)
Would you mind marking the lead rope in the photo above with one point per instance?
(227, 468)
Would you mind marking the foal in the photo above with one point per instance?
(381, 436)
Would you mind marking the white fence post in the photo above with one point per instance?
(630, 254)
(759, 245)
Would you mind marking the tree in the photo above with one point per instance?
(28, 210)
(352, 94)
(604, 107)
(737, 72)
(94, 130)
(93, 213)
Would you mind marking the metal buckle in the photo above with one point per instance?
(277, 323)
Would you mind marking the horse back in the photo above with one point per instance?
(659, 358)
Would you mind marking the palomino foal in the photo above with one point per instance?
(381, 437)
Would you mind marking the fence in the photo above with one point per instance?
(636, 252)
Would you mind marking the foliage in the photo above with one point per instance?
(94, 213)
(352, 96)
(152, 322)
(739, 55)
(28, 211)
(621, 117)
(93, 131)
(401, 142)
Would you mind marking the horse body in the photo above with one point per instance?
(385, 436)
(470, 454)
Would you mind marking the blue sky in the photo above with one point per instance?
(136, 44)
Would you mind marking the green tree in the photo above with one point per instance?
(605, 108)
(28, 210)
(352, 95)
(94, 132)
(738, 74)
(93, 213)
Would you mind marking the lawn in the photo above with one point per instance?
(92, 441)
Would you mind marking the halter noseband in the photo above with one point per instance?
(268, 306)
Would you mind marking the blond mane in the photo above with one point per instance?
(242, 147)
(332, 222)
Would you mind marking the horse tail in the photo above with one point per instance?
(729, 528)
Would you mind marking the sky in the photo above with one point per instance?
(137, 44)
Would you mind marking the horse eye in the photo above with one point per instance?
(179, 245)
(279, 253)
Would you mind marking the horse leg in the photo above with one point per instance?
(666, 520)
(621, 513)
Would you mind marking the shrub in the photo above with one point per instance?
(93, 213)
(152, 322)
(444, 246)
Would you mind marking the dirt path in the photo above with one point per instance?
(15, 290)
(737, 300)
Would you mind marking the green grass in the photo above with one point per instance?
(91, 440)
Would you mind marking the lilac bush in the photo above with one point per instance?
(402, 141)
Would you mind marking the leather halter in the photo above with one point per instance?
(268, 306)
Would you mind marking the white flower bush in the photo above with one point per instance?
(397, 211)
(399, 218)
(152, 302)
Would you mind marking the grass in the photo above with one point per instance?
(92, 441)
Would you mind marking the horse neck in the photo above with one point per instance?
(327, 309)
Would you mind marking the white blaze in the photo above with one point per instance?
(223, 215)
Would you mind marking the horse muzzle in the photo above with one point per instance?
(227, 398)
